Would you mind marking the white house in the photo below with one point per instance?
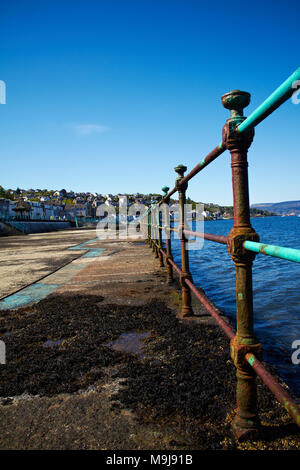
(205, 213)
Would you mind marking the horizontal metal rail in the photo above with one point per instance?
(210, 157)
(175, 266)
(223, 325)
(204, 300)
(279, 96)
(238, 146)
(290, 254)
(215, 153)
(207, 236)
(282, 396)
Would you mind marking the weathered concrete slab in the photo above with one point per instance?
(80, 394)
(26, 259)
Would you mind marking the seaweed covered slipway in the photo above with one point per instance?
(104, 362)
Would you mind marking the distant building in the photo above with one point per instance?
(122, 201)
(76, 210)
(205, 213)
(22, 209)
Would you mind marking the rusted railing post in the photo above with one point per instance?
(246, 421)
(168, 233)
(186, 310)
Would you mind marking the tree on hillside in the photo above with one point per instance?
(5, 194)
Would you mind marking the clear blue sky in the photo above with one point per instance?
(109, 96)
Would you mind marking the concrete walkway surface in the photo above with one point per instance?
(102, 361)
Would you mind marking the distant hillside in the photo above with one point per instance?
(286, 207)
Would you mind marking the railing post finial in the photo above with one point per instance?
(236, 101)
(165, 190)
(180, 169)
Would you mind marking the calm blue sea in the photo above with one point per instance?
(276, 286)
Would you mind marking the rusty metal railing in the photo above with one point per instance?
(242, 244)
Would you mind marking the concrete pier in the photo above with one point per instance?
(97, 358)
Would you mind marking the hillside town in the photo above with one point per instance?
(38, 204)
(44, 204)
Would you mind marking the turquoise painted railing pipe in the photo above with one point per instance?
(289, 254)
(279, 96)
